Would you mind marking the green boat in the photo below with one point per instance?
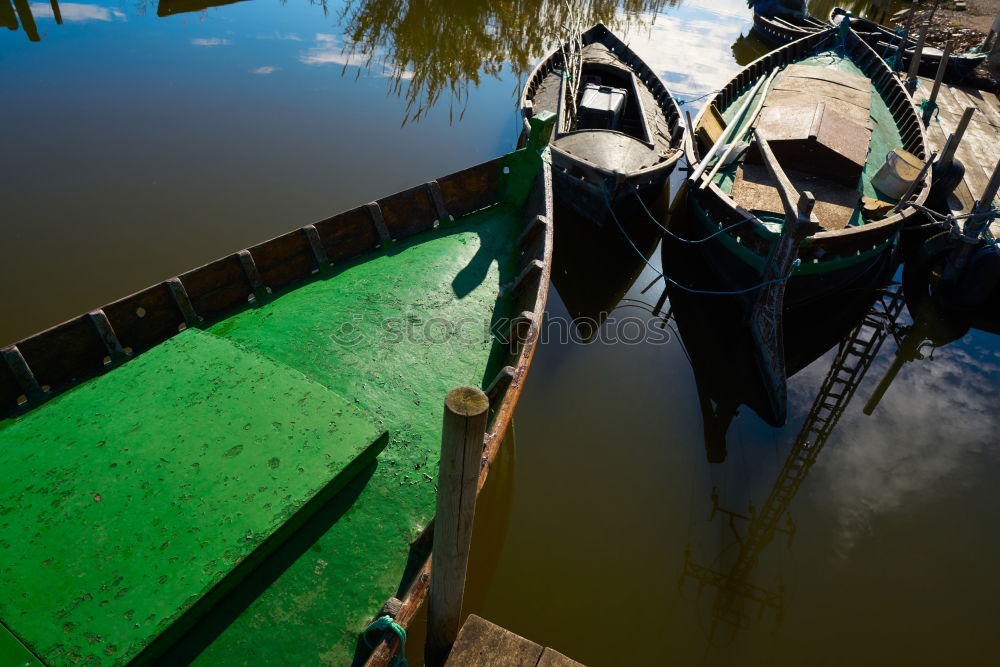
(831, 110)
(237, 466)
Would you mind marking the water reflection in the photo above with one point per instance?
(452, 47)
(170, 7)
(737, 600)
(593, 267)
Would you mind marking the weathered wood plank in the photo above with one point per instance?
(990, 111)
(978, 145)
(484, 644)
(552, 658)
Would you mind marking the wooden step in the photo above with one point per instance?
(484, 644)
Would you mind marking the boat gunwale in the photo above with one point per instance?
(643, 74)
(100, 340)
(900, 104)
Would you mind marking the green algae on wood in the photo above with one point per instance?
(396, 331)
(138, 494)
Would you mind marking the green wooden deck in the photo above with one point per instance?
(133, 496)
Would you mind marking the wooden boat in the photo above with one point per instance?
(886, 42)
(780, 30)
(619, 130)
(851, 238)
(199, 467)
(796, 216)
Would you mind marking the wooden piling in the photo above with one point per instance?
(942, 67)
(954, 139)
(985, 202)
(465, 414)
(917, 53)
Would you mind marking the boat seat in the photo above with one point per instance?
(614, 151)
(131, 502)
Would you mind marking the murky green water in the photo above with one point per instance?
(140, 140)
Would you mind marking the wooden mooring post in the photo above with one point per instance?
(912, 79)
(954, 139)
(942, 67)
(465, 414)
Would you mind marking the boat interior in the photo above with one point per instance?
(610, 107)
(830, 131)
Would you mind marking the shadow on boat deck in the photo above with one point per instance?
(195, 640)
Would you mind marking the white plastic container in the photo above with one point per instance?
(898, 173)
(600, 107)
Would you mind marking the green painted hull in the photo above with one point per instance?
(215, 496)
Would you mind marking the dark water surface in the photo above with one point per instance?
(134, 146)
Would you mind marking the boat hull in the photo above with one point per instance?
(591, 194)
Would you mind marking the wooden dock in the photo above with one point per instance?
(484, 644)
(978, 149)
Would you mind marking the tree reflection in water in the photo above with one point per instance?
(431, 47)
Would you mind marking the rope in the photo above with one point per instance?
(381, 624)
(675, 236)
(935, 111)
(692, 290)
(681, 103)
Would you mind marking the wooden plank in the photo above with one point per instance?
(551, 658)
(947, 101)
(990, 109)
(846, 79)
(484, 644)
(755, 190)
(854, 113)
(826, 89)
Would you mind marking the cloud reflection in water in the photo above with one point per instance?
(934, 431)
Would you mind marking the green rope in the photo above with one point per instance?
(929, 109)
(381, 624)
